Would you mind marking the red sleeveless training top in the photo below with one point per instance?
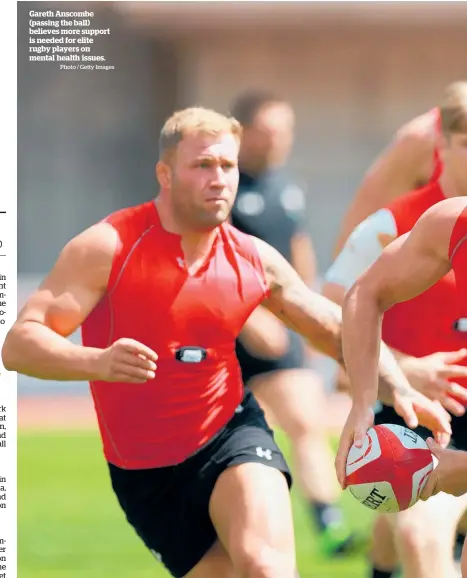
(428, 323)
(151, 298)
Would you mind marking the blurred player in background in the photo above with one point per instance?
(272, 207)
(411, 160)
(162, 290)
(435, 321)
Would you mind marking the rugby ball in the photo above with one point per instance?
(388, 473)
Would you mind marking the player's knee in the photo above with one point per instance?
(415, 534)
(414, 527)
(267, 563)
(300, 430)
(301, 427)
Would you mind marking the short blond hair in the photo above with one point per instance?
(453, 108)
(195, 120)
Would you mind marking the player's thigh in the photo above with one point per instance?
(251, 510)
(169, 510)
(296, 398)
(169, 507)
(419, 523)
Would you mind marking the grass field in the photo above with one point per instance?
(70, 525)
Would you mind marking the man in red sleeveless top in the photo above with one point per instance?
(161, 291)
(410, 161)
(432, 351)
(412, 271)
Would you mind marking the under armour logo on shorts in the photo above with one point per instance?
(264, 453)
(156, 555)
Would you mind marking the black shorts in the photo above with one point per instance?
(252, 366)
(169, 507)
(458, 424)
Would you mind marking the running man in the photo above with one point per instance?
(161, 291)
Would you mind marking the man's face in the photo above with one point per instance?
(204, 179)
(269, 139)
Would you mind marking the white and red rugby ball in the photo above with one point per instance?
(388, 473)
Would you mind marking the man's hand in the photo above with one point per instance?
(416, 409)
(127, 360)
(359, 421)
(449, 476)
(430, 375)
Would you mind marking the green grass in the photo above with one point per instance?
(70, 525)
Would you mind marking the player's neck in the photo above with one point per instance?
(449, 187)
(195, 244)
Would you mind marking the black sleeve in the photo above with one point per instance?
(293, 199)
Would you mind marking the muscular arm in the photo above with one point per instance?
(37, 343)
(406, 268)
(316, 318)
(404, 165)
(361, 249)
(263, 334)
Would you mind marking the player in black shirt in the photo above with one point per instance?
(271, 206)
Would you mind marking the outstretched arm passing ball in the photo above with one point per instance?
(407, 267)
(319, 320)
